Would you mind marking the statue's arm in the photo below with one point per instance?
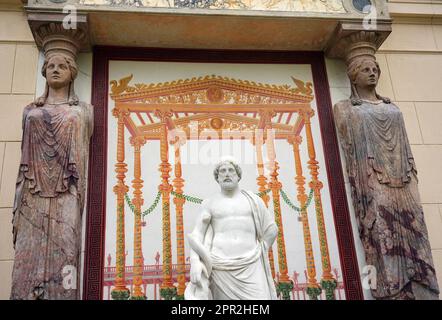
(25, 115)
(270, 228)
(341, 112)
(202, 223)
(270, 235)
(198, 234)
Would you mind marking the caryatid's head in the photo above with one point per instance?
(364, 73)
(227, 173)
(60, 71)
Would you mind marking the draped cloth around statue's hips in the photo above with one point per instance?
(243, 278)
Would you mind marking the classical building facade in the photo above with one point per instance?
(124, 51)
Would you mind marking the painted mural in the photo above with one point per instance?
(168, 125)
(331, 6)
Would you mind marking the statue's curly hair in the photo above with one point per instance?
(230, 161)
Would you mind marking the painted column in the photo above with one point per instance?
(137, 184)
(313, 289)
(262, 185)
(284, 285)
(328, 282)
(120, 291)
(178, 184)
(167, 289)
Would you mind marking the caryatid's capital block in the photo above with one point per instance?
(353, 39)
(60, 33)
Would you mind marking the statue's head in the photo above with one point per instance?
(364, 73)
(227, 173)
(60, 71)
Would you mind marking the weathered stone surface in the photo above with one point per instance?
(51, 184)
(383, 179)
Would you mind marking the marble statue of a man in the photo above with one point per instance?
(230, 242)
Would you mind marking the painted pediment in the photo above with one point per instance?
(211, 89)
(214, 104)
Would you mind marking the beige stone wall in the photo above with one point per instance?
(19, 57)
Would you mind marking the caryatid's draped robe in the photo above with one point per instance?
(49, 201)
(383, 179)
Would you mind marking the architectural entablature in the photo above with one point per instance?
(308, 25)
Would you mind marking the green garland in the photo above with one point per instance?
(199, 201)
(149, 210)
(291, 205)
(260, 194)
(187, 197)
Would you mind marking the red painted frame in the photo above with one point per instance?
(96, 206)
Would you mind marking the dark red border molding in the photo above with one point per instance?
(96, 207)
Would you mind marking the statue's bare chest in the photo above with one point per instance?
(231, 207)
(232, 218)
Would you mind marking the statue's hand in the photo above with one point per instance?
(196, 269)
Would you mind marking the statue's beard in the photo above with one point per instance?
(228, 185)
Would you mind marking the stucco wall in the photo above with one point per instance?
(411, 63)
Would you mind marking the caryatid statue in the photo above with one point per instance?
(50, 190)
(383, 180)
(230, 243)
